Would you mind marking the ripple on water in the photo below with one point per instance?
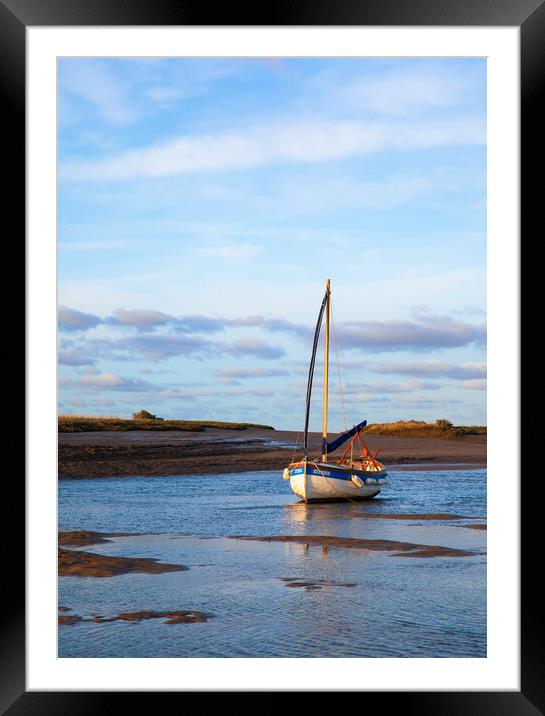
(397, 607)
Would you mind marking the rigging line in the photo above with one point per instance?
(295, 446)
(338, 369)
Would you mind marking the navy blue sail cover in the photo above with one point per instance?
(311, 372)
(343, 437)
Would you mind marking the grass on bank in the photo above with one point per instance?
(85, 423)
(421, 429)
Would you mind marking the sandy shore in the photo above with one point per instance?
(115, 454)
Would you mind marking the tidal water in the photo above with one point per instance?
(394, 606)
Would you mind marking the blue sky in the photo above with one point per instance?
(204, 202)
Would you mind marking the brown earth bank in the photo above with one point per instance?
(80, 538)
(140, 453)
(308, 586)
(74, 563)
(416, 516)
(398, 549)
(175, 617)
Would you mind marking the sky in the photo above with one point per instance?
(203, 203)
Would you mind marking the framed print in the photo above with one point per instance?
(228, 225)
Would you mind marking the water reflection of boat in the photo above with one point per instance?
(323, 479)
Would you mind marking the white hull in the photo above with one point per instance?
(310, 486)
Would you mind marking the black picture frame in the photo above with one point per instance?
(529, 15)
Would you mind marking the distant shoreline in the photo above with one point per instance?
(87, 424)
(217, 451)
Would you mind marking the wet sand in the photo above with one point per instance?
(81, 538)
(74, 563)
(415, 516)
(311, 586)
(398, 549)
(173, 617)
(139, 453)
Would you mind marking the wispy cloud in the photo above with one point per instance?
(148, 319)
(74, 358)
(95, 82)
(250, 372)
(108, 381)
(160, 335)
(282, 142)
(252, 347)
(430, 332)
(71, 320)
(432, 369)
(236, 252)
(141, 319)
(475, 384)
(403, 91)
(359, 390)
(154, 346)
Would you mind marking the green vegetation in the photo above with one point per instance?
(421, 429)
(144, 415)
(85, 423)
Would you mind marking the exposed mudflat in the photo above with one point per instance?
(414, 516)
(311, 586)
(81, 538)
(174, 617)
(398, 549)
(76, 563)
(140, 453)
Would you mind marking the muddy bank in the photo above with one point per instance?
(74, 563)
(398, 549)
(110, 454)
(311, 586)
(175, 617)
(81, 538)
(67, 620)
(413, 516)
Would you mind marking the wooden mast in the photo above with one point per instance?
(326, 370)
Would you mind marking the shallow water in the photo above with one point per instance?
(398, 606)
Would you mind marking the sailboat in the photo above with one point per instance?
(323, 479)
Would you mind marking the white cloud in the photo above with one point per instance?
(74, 358)
(475, 384)
(234, 373)
(403, 91)
(281, 142)
(71, 320)
(432, 369)
(140, 318)
(230, 251)
(94, 82)
(335, 192)
(105, 380)
(427, 333)
(108, 381)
